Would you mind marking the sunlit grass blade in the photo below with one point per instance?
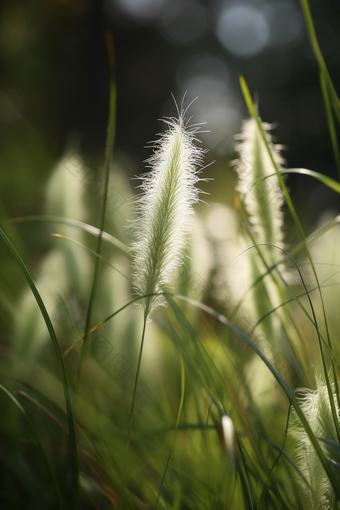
(289, 202)
(63, 374)
(294, 251)
(100, 324)
(111, 132)
(95, 254)
(283, 453)
(208, 371)
(286, 431)
(330, 121)
(316, 48)
(328, 181)
(223, 320)
(208, 375)
(74, 223)
(329, 442)
(176, 426)
(39, 443)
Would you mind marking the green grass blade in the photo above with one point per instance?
(286, 429)
(331, 183)
(223, 320)
(101, 323)
(316, 48)
(332, 444)
(111, 132)
(95, 254)
(294, 251)
(63, 374)
(330, 121)
(176, 426)
(254, 114)
(39, 443)
(74, 223)
(328, 181)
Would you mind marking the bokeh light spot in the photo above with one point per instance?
(286, 23)
(243, 30)
(143, 9)
(183, 22)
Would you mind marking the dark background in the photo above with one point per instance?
(54, 84)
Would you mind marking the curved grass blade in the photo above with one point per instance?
(44, 218)
(254, 114)
(42, 408)
(316, 48)
(310, 239)
(283, 453)
(331, 183)
(88, 457)
(286, 429)
(330, 443)
(111, 132)
(330, 121)
(213, 376)
(100, 257)
(63, 374)
(41, 448)
(176, 426)
(223, 320)
(328, 181)
(100, 324)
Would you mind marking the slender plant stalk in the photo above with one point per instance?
(330, 121)
(253, 112)
(317, 52)
(111, 131)
(101, 323)
(176, 427)
(292, 399)
(136, 384)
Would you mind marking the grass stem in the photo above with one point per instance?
(136, 384)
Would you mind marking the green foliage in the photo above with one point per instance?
(218, 420)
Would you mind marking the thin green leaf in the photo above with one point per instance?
(254, 114)
(328, 181)
(330, 443)
(74, 223)
(63, 374)
(223, 320)
(330, 121)
(176, 426)
(316, 48)
(111, 132)
(100, 257)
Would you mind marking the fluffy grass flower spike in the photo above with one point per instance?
(317, 493)
(164, 216)
(263, 199)
(165, 208)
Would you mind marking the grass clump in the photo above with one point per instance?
(77, 434)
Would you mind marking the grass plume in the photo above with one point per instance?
(165, 208)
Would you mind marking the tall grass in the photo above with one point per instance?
(220, 418)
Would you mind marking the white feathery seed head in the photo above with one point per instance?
(263, 200)
(165, 208)
(319, 494)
